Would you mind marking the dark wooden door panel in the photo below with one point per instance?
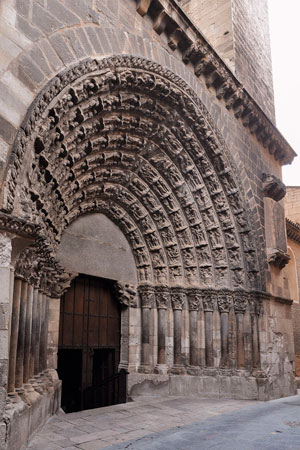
(90, 321)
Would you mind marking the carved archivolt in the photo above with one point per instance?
(124, 137)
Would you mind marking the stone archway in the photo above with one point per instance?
(128, 139)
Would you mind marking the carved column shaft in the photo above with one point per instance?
(177, 336)
(162, 302)
(255, 311)
(209, 341)
(21, 336)
(240, 357)
(223, 305)
(34, 332)
(14, 334)
(240, 305)
(208, 307)
(146, 336)
(44, 333)
(43, 349)
(28, 334)
(37, 334)
(194, 353)
(161, 339)
(177, 298)
(147, 301)
(224, 339)
(255, 341)
(194, 303)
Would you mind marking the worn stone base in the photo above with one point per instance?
(236, 384)
(25, 414)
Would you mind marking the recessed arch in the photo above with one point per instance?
(126, 125)
(93, 245)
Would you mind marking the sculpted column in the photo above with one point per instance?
(224, 302)
(194, 298)
(125, 294)
(44, 333)
(37, 334)
(14, 335)
(34, 331)
(208, 307)
(162, 303)
(255, 311)
(240, 303)
(21, 337)
(177, 298)
(147, 302)
(28, 337)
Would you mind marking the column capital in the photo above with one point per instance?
(177, 297)
(147, 296)
(209, 299)
(162, 296)
(224, 300)
(255, 304)
(194, 297)
(125, 293)
(240, 301)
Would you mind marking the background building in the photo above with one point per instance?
(142, 213)
(292, 208)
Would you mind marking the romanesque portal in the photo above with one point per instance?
(127, 139)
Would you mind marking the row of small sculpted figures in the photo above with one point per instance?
(207, 299)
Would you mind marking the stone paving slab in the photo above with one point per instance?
(114, 425)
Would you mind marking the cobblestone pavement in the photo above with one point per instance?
(177, 423)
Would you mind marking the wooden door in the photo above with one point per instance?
(90, 322)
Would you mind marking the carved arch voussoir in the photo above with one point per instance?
(126, 137)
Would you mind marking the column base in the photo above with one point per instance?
(20, 390)
(13, 397)
(210, 371)
(28, 387)
(161, 369)
(123, 365)
(194, 370)
(178, 369)
(144, 369)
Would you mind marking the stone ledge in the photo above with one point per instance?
(182, 34)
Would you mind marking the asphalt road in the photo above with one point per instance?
(273, 425)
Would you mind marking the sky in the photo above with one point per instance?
(285, 43)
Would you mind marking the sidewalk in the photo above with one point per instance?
(177, 423)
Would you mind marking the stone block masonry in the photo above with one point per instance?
(122, 109)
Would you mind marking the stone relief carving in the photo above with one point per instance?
(273, 187)
(162, 297)
(125, 293)
(194, 299)
(177, 298)
(147, 296)
(240, 301)
(127, 168)
(224, 300)
(5, 250)
(209, 300)
(277, 257)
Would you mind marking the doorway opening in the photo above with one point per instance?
(89, 346)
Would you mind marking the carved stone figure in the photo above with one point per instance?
(125, 294)
(273, 187)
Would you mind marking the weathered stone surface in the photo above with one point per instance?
(140, 166)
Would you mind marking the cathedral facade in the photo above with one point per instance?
(142, 241)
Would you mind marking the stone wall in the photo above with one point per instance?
(239, 32)
(292, 207)
(214, 20)
(292, 203)
(41, 45)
